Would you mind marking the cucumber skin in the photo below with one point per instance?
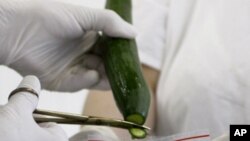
(123, 68)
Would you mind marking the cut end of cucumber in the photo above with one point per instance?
(136, 118)
(137, 133)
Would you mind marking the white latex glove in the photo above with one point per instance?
(97, 133)
(16, 120)
(46, 37)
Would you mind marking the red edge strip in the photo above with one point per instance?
(194, 137)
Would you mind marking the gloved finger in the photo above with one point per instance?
(89, 74)
(25, 102)
(103, 84)
(96, 63)
(55, 130)
(76, 79)
(103, 20)
(91, 61)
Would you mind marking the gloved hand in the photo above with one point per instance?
(46, 38)
(95, 133)
(16, 120)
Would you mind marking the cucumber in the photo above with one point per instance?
(123, 69)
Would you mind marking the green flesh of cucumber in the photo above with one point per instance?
(137, 133)
(123, 69)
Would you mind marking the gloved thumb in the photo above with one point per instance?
(104, 20)
(23, 101)
(54, 130)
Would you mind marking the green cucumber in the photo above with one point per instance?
(123, 69)
(138, 133)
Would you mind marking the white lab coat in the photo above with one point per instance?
(205, 80)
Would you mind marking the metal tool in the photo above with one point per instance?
(69, 118)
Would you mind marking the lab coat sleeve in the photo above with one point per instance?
(150, 18)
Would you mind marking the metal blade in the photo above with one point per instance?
(69, 118)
